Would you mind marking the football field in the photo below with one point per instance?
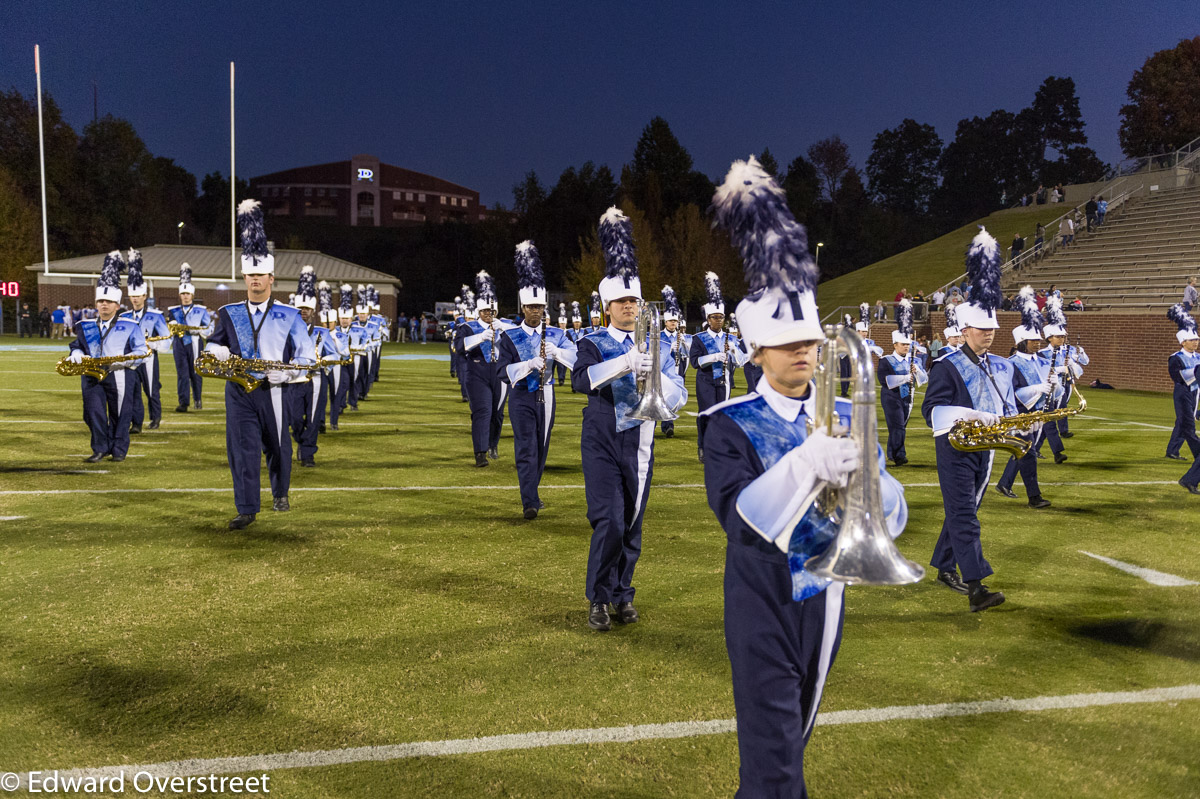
(403, 631)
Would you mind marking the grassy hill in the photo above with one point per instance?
(933, 263)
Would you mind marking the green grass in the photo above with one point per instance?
(135, 629)
(931, 264)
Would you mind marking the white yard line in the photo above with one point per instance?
(1149, 575)
(1122, 421)
(11, 518)
(606, 735)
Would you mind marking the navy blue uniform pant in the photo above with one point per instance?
(896, 413)
(844, 374)
(531, 423)
(462, 374)
(1192, 477)
(187, 382)
(307, 412)
(375, 365)
(486, 391)
(753, 374)
(257, 424)
(708, 394)
(963, 477)
(1050, 433)
(108, 409)
(1027, 466)
(363, 377)
(617, 468)
(339, 389)
(780, 652)
(1061, 424)
(1185, 423)
(353, 372)
(147, 378)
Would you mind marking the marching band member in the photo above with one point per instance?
(1182, 367)
(308, 397)
(153, 324)
(673, 337)
(969, 383)
(596, 314)
(458, 320)
(863, 328)
(108, 403)
(561, 370)
(528, 354)
(327, 315)
(1033, 392)
(575, 332)
(377, 324)
(187, 346)
(344, 337)
(714, 355)
(750, 370)
(465, 313)
(783, 626)
(256, 421)
(362, 361)
(900, 375)
(1068, 360)
(486, 391)
(953, 335)
(617, 452)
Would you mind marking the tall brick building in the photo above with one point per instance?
(364, 191)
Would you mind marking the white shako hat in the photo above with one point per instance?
(1031, 318)
(346, 301)
(862, 327)
(256, 258)
(904, 322)
(325, 303)
(485, 289)
(595, 312)
(562, 314)
(135, 285)
(620, 258)
(531, 278)
(306, 289)
(1184, 321)
(983, 273)
(575, 317)
(671, 309)
(780, 306)
(108, 287)
(1056, 320)
(185, 279)
(951, 328)
(712, 291)
(361, 304)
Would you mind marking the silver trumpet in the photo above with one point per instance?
(863, 552)
(652, 405)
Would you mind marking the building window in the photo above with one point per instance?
(396, 195)
(333, 192)
(464, 202)
(408, 195)
(308, 191)
(443, 199)
(320, 192)
(420, 198)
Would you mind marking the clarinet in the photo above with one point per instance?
(1053, 375)
(725, 352)
(492, 354)
(542, 372)
(678, 348)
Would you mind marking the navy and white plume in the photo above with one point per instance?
(362, 295)
(616, 238)
(110, 273)
(712, 289)
(951, 317)
(753, 208)
(306, 285)
(250, 226)
(1182, 319)
(596, 307)
(575, 310)
(347, 298)
(1026, 303)
(864, 313)
(134, 280)
(904, 317)
(983, 271)
(671, 301)
(530, 273)
(185, 274)
(372, 295)
(562, 310)
(324, 296)
(1054, 311)
(485, 288)
(469, 296)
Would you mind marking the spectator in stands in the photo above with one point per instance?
(57, 318)
(1006, 304)
(1054, 292)
(1061, 192)
(1039, 239)
(1091, 208)
(1101, 209)
(936, 299)
(1041, 194)
(901, 295)
(917, 296)
(1017, 246)
(880, 311)
(401, 327)
(412, 327)
(1076, 304)
(935, 347)
(1041, 299)
(1066, 229)
(1191, 297)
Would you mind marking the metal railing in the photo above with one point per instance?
(1154, 163)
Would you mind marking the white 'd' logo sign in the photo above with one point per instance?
(366, 174)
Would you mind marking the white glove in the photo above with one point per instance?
(551, 351)
(981, 416)
(277, 376)
(76, 356)
(1062, 370)
(908, 378)
(638, 362)
(705, 360)
(119, 365)
(218, 351)
(537, 363)
(1044, 388)
(829, 458)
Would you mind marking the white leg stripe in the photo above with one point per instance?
(548, 395)
(834, 595)
(645, 450)
(986, 480)
(277, 406)
(316, 384)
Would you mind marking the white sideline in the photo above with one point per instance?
(1149, 575)
(603, 735)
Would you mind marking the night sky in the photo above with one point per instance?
(480, 93)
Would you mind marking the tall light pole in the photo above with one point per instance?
(820, 244)
(180, 231)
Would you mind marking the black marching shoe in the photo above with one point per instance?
(481, 458)
(981, 598)
(135, 429)
(241, 521)
(307, 462)
(1175, 457)
(626, 613)
(1008, 492)
(321, 427)
(899, 461)
(95, 457)
(154, 425)
(1040, 456)
(598, 618)
(199, 405)
(951, 580)
(531, 513)
(116, 458)
(494, 453)
(1039, 502)
(334, 427)
(1067, 435)
(281, 504)
(1060, 457)
(180, 409)
(541, 505)
(1191, 489)
(669, 433)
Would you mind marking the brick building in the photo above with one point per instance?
(72, 281)
(364, 191)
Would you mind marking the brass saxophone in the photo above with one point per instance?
(178, 329)
(237, 369)
(93, 367)
(975, 436)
